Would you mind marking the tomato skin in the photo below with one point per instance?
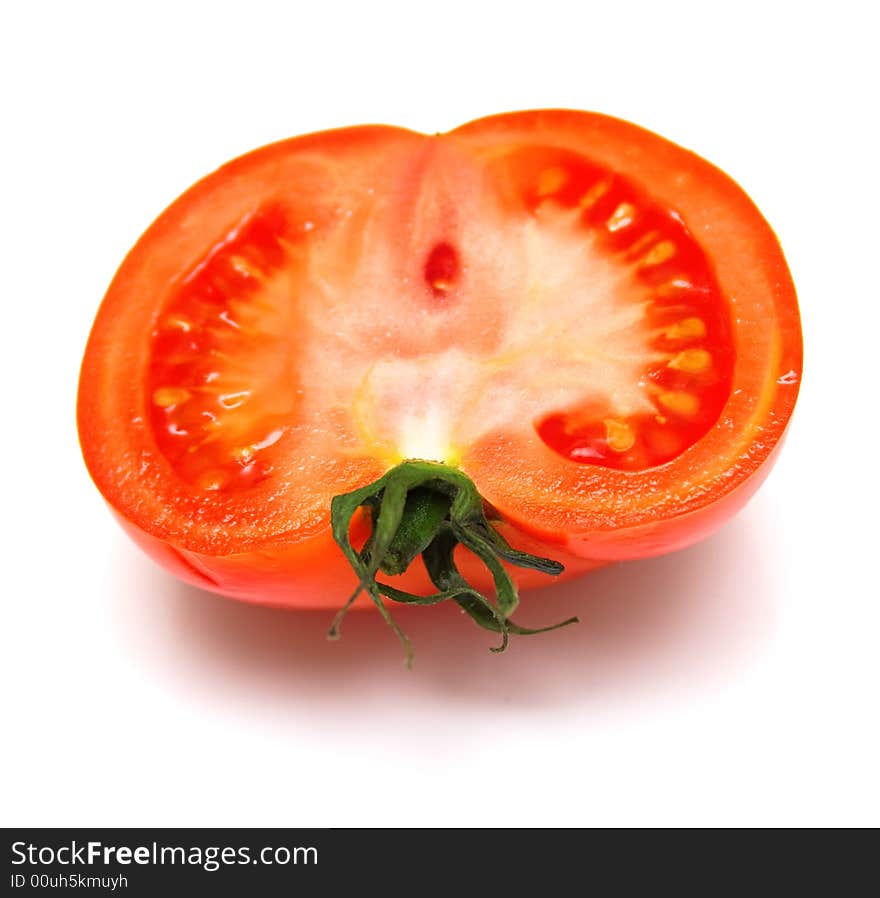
(313, 574)
(581, 516)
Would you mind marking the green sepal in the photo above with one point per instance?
(426, 508)
(424, 512)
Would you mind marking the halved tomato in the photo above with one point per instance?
(589, 324)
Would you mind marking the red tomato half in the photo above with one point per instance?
(594, 324)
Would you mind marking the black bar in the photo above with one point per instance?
(462, 862)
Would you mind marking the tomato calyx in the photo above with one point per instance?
(427, 508)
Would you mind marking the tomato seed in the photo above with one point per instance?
(679, 403)
(691, 361)
(659, 253)
(622, 217)
(686, 329)
(619, 435)
(168, 397)
(551, 180)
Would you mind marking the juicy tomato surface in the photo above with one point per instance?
(595, 325)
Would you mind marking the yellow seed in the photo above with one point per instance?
(622, 217)
(244, 454)
(659, 253)
(674, 287)
(441, 285)
(234, 400)
(245, 267)
(691, 361)
(165, 397)
(178, 323)
(619, 435)
(211, 480)
(680, 403)
(595, 193)
(551, 180)
(686, 329)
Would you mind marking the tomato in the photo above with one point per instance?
(589, 324)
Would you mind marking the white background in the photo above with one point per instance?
(733, 683)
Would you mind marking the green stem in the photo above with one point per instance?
(426, 508)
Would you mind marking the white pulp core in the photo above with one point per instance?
(547, 320)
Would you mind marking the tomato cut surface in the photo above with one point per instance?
(640, 300)
(594, 325)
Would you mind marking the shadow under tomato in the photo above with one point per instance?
(659, 624)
